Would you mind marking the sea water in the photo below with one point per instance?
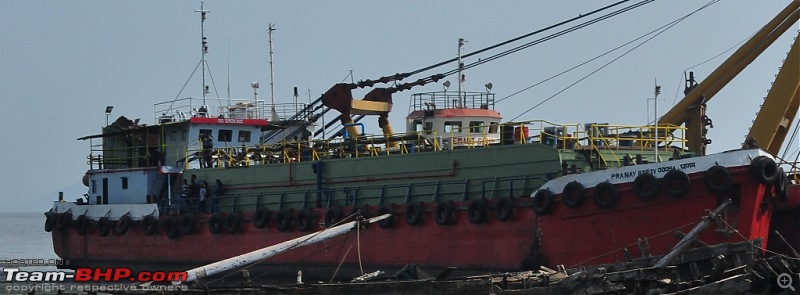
(22, 236)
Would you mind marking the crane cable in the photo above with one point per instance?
(657, 32)
(436, 77)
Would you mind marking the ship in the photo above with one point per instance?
(215, 178)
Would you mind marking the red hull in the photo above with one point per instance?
(583, 236)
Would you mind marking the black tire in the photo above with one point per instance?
(64, 220)
(83, 224)
(188, 224)
(104, 226)
(149, 225)
(443, 214)
(305, 220)
(543, 202)
(676, 183)
(233, 223)
(476, 212)
(388, 222)
(413, 214)
(332, 216)
(717, 179)
(646, 186)
(364, 211)
(216, 223)
(764, 169)
(605, 195)
(171, 227)
(51, 221)
(504, 209)
(122, 225)
(780, 186)
(261, 218)
(283, 220)
(573, 195)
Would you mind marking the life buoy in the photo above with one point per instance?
(215, 223)
(443, 214)
(83, 224)
(283, 220)
(64, 220)
(188, 224)
(504, 209)
(50, 222)
(605, 195)
(646, 186)
(305, 220)
(573, 194)
(476, 212)
(388, 222)
(676, 183)
(104, 226)
(717, 179)
(363, 210)
(780, 186)
(149, 225)
(332, 216)
(123, 224)
(543, 202)
(764, 169)
(413, 214)
(233, 222)
(261, 219)
(171, 227)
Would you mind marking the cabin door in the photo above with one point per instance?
(105, 190)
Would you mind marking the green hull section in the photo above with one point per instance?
(488, 172)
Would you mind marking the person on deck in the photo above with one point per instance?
(203, 192)
(215, 195)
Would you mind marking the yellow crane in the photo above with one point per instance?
(780, 106)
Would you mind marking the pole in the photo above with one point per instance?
(656, 92)
(264, 253)
(203, 47)
(271, 71)
(461, 102)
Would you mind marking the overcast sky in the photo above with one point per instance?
(63, 62)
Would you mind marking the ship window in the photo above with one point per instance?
(94, 186)
(476, 126)
(452, 126)
(224, 135)
(244, 136)
(124, 182)
(204, 133)
(493, 127)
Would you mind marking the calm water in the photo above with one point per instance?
(23, 236)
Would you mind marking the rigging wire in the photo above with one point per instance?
(683, 79)
(583, 15)
(436, 77)
(658, 31)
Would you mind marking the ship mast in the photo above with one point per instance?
(461, 100)
(273, 113)
(203, 48)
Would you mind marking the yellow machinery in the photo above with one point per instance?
(780, 106)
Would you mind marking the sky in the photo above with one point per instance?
(63, 62)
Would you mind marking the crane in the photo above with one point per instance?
(779, 108)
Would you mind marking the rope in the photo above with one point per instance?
(659, 31)
(753, 244)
